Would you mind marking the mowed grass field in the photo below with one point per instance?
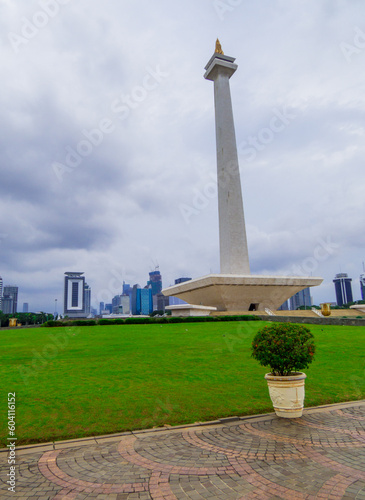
(83, 381)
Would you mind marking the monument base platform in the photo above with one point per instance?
(231, 292)
(359, 307)
(184, 310)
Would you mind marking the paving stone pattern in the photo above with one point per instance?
(321, 455)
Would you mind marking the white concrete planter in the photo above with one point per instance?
(287, 394)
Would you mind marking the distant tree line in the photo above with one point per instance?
(26, 318)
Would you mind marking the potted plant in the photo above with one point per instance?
(286, 348)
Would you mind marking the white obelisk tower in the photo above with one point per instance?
(234, 289)
(232, 229)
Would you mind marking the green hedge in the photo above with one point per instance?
(76, 322)
(148, 321)
(54, 323)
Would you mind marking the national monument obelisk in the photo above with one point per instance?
(232, 229)
(234, 289)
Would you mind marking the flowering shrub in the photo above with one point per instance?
(284, 347)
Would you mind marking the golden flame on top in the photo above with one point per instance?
(218, 47)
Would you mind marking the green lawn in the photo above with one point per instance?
(82, 381)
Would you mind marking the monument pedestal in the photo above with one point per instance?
(230, 292)
(185, 310)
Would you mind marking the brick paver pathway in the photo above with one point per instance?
(321, 455)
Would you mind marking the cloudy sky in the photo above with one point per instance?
(108, 143)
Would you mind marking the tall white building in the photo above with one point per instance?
(74, 295)
(87, 295)
(362, 286)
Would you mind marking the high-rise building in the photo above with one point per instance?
(101, 307)
(362, 286)
(300, 299)
(109, 308)
(1, 293)
(284, 306)
(142, 302)
(343, 289)
(116, 302)
(162, 302)
(10, 299)
(87, 298)
(155, 282)
(181, 280)
(25, 307)
(135, 300)
(127, 289)
(146, 301)
(7, 305)
(124, 307)
(175, 301)
(74, 295)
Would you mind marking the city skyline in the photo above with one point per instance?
(108, 162)
(357, 292)
(299, 299)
